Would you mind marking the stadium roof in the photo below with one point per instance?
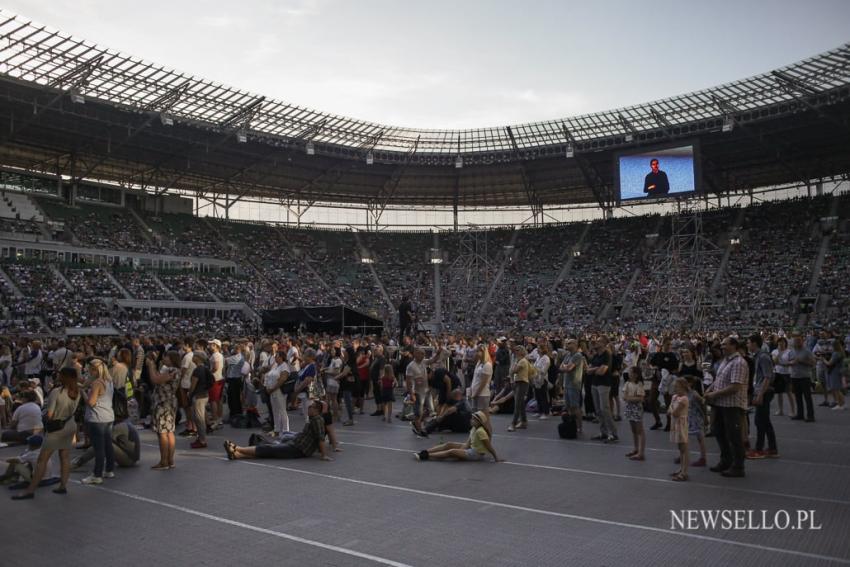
(515, 165)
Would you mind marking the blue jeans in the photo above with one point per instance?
(100, 435)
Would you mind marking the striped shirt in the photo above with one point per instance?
(733, 370)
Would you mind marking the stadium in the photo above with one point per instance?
(152, 211)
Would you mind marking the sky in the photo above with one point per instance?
(457, 64)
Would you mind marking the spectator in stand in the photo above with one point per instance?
(802, 364)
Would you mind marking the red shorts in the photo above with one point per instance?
(216, 390)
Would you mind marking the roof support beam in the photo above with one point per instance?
(242, 117)
(166, 101)
(774, 149)
(388, 189)
(74, 79)
(603, 193)
(530, 192)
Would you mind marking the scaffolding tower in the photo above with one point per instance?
(682, 272)
(470, 274)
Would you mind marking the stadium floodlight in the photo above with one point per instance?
(734, 241)
(436, 260)
(576, 253)
(630, 137)
(728, 124)
(370, 158)
(366, 260)
(310, 149)
(241, 136)
(76, 97)
(571, 151)
(166, 119)
(459, 162)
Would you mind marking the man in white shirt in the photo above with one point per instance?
(187, 366)
(293, 357)
(26, 420)
(217, 369)
(416, 382)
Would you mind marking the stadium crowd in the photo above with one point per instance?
(93, 393)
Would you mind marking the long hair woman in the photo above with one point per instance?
(60, 407)
(99, 420)
(165, 383)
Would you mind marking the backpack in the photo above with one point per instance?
(568, 428)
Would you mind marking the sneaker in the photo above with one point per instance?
(612, 439)
(838, 408)
(186, 433)
(109, 474)
(92, 480)
(198, 445)
(416, 456)
(511, 428)
(655, 427)
(771, 454)
(755, 454)
(348, 423)
(523, 425)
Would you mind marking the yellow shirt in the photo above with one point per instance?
(477, 437)
(522, 369)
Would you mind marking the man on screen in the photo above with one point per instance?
(655, 183)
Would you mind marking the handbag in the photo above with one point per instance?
(53, 425)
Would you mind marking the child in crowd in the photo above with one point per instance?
(475, 448)
(678, 411)
(388, 383)
(633, 395)
(696, 417)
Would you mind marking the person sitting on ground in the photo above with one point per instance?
(21, 469)
(125, 444)
(473, 449)
(26, 420)
(457, 416)
(503, 402)
(311, 439)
